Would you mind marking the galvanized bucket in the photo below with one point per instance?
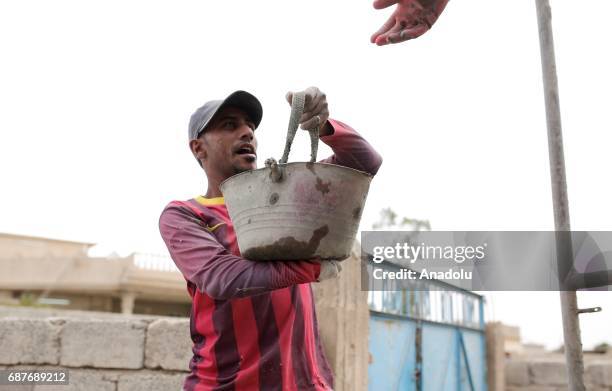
(296, 211)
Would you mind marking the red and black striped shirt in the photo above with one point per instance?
(253, 324)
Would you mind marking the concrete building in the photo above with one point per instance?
(59, 273)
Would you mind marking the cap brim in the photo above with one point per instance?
(247, 102)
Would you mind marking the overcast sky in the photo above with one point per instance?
(95, 99)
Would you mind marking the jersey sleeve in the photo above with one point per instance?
(214, 270)
(351, 149)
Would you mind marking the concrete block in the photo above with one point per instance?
(517, 373)
(599, 375)
(84, 379)
(103, 343)
(28, 341)
(150, 381)
(17, 388)
(168, 345)
(548, 373)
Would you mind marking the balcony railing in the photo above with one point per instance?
(157, 262)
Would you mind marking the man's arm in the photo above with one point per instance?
(350, 149)
(217, 272)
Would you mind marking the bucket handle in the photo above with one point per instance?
(277, 172)
(297, 109)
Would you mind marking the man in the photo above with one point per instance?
(253, 324)
(410, 20)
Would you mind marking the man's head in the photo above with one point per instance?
(221, 135)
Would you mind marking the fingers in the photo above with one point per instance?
(320, 107)
(309, 94)
(317, 115)
(403, 30)
(315, 121)
(310, 98)
(406, 34)
(316, 110)
(380, 4)
(385, 27)
(417, 17)
(383, 39)
(329, 270)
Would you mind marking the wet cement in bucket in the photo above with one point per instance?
(288, 248)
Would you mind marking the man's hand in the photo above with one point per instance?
(329, 270)
(411, 19)
(316, 112)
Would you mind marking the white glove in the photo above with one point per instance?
(329, 270)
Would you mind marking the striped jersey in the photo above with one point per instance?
(253, 324)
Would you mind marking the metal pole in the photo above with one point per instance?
(569, 307)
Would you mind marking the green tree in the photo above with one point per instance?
(390, 220)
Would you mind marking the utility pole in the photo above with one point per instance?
(569, 305)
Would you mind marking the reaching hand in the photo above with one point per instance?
(411, 19)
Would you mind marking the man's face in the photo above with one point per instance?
(229, 143)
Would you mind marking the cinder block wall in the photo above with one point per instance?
(545, 372)
(101, 354)
(542, 375)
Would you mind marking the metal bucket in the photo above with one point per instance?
(296, 211)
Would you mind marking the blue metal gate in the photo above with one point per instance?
(427, 339)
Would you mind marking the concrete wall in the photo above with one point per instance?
(102, 354)
(534, 369)
(544, 371)
(343, 317)
(496, 357)
(548, 375)
(105, 351)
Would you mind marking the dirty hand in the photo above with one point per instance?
(411, 19)
(316, 112)
(329, 270)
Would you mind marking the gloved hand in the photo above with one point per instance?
(329, 270)
(411, 19)
(316, 112)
